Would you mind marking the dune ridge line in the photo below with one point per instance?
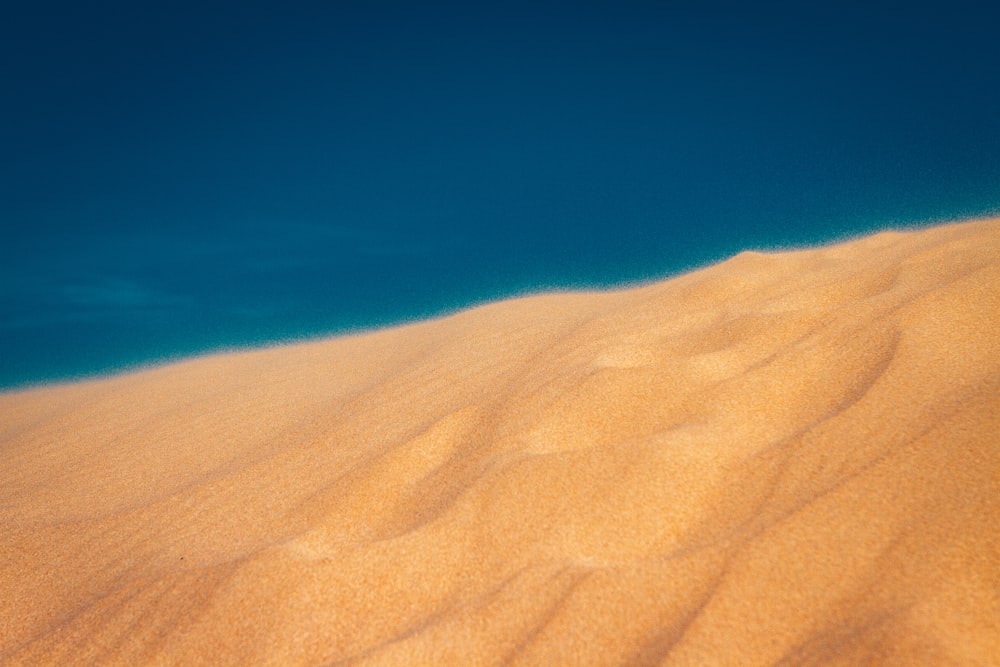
(785, 458)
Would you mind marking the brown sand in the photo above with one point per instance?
(788, 458)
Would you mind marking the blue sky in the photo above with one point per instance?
(193, 175)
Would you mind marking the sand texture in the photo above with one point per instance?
(785, 458)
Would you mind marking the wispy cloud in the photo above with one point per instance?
(116, 293)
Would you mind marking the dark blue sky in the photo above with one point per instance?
(181, 177)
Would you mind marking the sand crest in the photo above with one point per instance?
(785, 458)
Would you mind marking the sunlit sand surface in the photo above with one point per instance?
(786, 458)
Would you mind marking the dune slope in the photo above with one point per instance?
(782, 459)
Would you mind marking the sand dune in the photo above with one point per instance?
(782, 459)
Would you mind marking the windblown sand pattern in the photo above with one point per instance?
(789, 458)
